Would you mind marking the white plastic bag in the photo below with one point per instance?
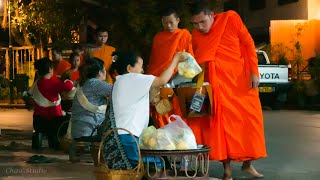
(180, 133)
(176, 135)
(190, 68)
(164, 140)
(156, 139)
(145, 138)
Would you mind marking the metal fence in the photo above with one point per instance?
(23, 58)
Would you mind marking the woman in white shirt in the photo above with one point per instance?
(130, 97)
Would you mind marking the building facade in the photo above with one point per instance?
(257, 14)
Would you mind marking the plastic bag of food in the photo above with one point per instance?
(189, 69)
(164, 140)
(176, 135)
(180, 133)
(156, 139)
(145, 136)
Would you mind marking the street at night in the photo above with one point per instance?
(292, 137)
(92, 89)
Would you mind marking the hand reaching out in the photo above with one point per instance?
(181, 56)
(254, 81)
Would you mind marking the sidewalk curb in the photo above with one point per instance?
(13, 106)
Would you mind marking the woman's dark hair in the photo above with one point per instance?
(122, 60)
(43, 66)
(90, 69)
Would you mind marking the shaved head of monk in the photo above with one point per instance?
(202, 17)
(170, 19)
(101, 36)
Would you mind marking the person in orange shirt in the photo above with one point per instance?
(235, 130)
(73, 75)
(78, 48)
(73, 72)
(60, 65)
(101, 50)
(165, 44)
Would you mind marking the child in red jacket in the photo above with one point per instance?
(47, 108)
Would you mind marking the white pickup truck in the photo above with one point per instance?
(274, 81)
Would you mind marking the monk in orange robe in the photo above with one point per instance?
(102, 50)
(60, 65)
(165, 44)
(235, 130)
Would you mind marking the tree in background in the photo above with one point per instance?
(298, 61)
(279, 53)
(42, 22)
(132, 24)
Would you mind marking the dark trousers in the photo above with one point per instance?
(47, 126)
(66, 105)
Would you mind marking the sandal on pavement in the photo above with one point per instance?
(36, 159)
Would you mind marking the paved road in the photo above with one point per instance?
(293, 145)
(292, 137)
(19, 119)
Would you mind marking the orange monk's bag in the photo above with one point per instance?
(186, 93)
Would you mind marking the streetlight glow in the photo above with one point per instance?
(313, 9)
(1, 8)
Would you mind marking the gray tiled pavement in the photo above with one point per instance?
(293, 145)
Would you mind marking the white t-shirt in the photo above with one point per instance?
(130, 97)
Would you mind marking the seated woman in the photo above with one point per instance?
(47, 116)
(130, 99)
(89, 103)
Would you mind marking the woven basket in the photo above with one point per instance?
(103, 172)
(154, 96)
(94, 149)
(164, 106)
(65, 142)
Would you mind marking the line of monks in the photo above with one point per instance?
(222, 43)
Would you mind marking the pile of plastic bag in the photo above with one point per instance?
(176, 135)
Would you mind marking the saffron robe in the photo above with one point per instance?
(105, 54)
(61, 66)
(235, 129)
(165, 45)
(71, 74)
